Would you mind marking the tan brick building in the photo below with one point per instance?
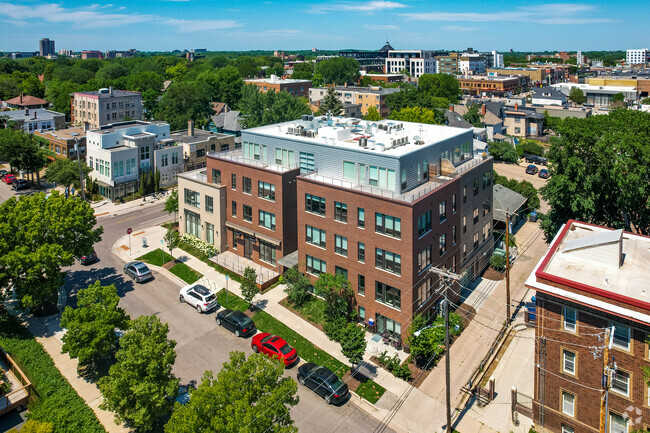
(490, 85)
(367, 97)
(105, 107)
(62, 142)
(294, 87)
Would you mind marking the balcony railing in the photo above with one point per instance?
(236, 156)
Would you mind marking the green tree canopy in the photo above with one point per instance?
(503, 151)
(331, 103)
(91, 326)
(430, 343)
(303, 71)
(249, 284)
(229, 86)
(24, 151)
(439, 86)
(297, 289)
(249, 395)
(577, 95)
(416, 114)
(140, 386)
(339, 70)
(65, 172)
(171, 204)
(353, 343)
(185, 101)
(373, 114)
(260, 109)
(473, 115)
(338, 295)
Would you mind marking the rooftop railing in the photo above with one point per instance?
(236, 156)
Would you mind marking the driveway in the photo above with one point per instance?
(518, 172)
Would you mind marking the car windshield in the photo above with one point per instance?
(246, 323)
(286, 349)
(267, 338)
(141, 268)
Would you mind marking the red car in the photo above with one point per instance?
(9, 179)
(274, 347)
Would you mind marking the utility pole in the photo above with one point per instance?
(607, 376)
(81, 177)
(446, 277)
(507, 267)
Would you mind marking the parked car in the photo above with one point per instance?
(536, 159)
(3, 173)
(274, 347)
(138, 271)
(9, 178)
(19, 184)
(544, 174)
(89, 258)
(199, 297)
(531, 169)
(237, 322)
(323, 382)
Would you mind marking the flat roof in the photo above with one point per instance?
(200, 135)
(276, 80)
(41, 114)
(589, 258)
(378, 90)
(66, 134)
(110, 94)
(385, 137)
(488, 78)
(122, 125)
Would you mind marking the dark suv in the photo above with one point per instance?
(323, 382)
(19, 184)
(536, 159)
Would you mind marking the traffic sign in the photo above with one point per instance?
(129, 230)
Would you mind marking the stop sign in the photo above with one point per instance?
(129, 230)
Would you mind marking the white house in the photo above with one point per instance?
(548, 96)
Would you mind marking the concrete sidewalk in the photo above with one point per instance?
(106, 206)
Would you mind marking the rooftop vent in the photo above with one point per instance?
(605, 248)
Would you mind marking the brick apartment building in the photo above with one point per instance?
(591, 280)
(105, 107)
(62, 142)
(379, 202)
(294, 87)
(492, 85)
(371, 96)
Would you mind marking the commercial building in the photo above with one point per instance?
(62, 142)
(599, 96)
(27, 101)
(367, 97)
(637, 57)
(548, 96)
(471, 64)
(294, 87)
(370, 60)
(38, 119)
(482, 85)
(104, 107)
(91, 54)
(378, 202)
(592, 294)
(448, 63)
(639, 81)
(536, 73)
(46, 47)
(415, 62)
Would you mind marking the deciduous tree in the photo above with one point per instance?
(171, 204)
(65, 172)
(260, 109)
(172, 239)
(577, 95)
(297, 287)
(339, 70)
(373, 114)
(415, 114)
(353, 343)
(249, 284)
(303, 71)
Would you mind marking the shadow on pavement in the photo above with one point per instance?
(81, 279)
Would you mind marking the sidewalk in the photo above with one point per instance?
(106, 206)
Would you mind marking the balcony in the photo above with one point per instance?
(18, 393)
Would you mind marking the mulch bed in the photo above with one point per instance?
(169, 264)
(353, 381)
(493, 275)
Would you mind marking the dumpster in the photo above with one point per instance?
(532, 217)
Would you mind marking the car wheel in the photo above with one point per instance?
(255, 349)
(181, 298)
(198, 308)
(301, 380)
(237, 333)
(218, 321)
(328, 399)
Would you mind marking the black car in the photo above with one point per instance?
(237, 322)
(531, 169)
(323, 382)
(19, 184)
(87, 259)
(544, 174)
(536, 159)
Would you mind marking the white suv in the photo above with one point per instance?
(199, 297)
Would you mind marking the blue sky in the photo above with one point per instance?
(328, 24)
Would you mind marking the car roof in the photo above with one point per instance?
(200, 289)
(140, 265)
(277, 341)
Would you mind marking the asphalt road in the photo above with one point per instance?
(201, 344)
(518, 172)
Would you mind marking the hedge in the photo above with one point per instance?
(56, 401)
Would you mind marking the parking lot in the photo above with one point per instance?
(518, 172)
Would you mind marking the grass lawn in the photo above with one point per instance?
(156, 257)
(185, 273)
(370, 391)
(313, 311)
(234, 301)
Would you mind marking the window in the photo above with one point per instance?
(315, 204)
(362, 313)
(486, 207)
(476, 186)
(267, 220)
(144, 153)
(617, 423)
(568, 403)
(570, 316)
(425, 169)
(316, 266)
(464, 251)
(403, 178)
(307, 162)
(209, 208)
(361, 252)
(233, 181)
(621, 382)
(216, 176)
(341, 271)
(341, 245)
(209, 233)
(118, 169)
(253, 151)
(442, 210)
(464, 194)
(340, 212)
(475, 240)
(424, 223)
(234, 209)
(464, 223)
(622, 337)
(175, 159)
(248, 213)
(361, 217)
(567, 429)
(453, 203)
(388, 295)
(283, 156)
(267, 252)
(348, 170)
(164, 160)
(247, 188)
(424, 259)
(453, 235)
(193, 224)
(486, 230)
(424, 291)
(475, 215)
(487, 179)
(361, 284)
(234, 240)
(200, 153)
(315, 236)
(388, 225)
(266, 191)
(388, 261)
(192, 198)
(381, 177)
(568, 362)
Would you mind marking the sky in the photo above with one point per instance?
(165, 25)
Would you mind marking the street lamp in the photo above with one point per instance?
(81, 178)
(419, 331)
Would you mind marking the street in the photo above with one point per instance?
(518, 173)
(201, 344)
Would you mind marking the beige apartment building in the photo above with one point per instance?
(198, 143)
(364, 96)
(104, 107)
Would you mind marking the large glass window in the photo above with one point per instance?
(316, 266)
(388, 261)
(246, 185)
(341, 245)
(340, 212)
(424, 259)
(209, 233)
(316, 236)
(284, 157)
(209, 204)
(315, 204)
(381, 177)
(384, 324)
(388, 295)
(388, 225)
(267, 252)
(233, 181)
(193, 224)
(267, 220)
(248, 213)
(266, 190)
(192, 198)
(424, 223)
(307, 162)
(216, 176)
(341, 271)
(348, 170)
(442, 210)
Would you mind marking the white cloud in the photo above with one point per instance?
(460, 29)
(190, 26)
(381, 27)
(83, 17)
(363, 7)
(560, 13)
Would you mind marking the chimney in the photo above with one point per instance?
(21, 98)
(483, 110)
(110, 90)
(190, 128)
(451, 107)
(516, 106)
(34, 114)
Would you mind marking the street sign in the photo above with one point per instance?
(129, 230)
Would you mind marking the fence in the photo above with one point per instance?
(521, 403)
(234, 264)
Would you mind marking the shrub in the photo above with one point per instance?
(503, 151)
(297, 287)
(206, 248)
(498, 262)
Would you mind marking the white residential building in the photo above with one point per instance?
(497, 60)
(416, 62)
(471, 64)
(637, 57)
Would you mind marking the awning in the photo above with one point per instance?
(253, 233)
(290, 260)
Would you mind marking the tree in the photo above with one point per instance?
(415, 114)
(177, 71)
(577, 95)
(183, 101)
(151, 182)
(91, 326)
(338, 295)
(353, 343)
(171, 204)
(249, 395)
(498, 262)
(599, 172)
(249, 284)
(32, 86)
(156, 179)
(618, 97)
(530, 147)
(142, 188)
(297, 287)
(439, 86)
(33, 426)
(523, 187)
(339, 70)
(229, 87)
(430, 343)
(645, 101)
(140, 386)
(331, 102)
(65, 172)
(172, 239)
(373, 114)
(260, 109)
(24, 151)
(503, 151)
(37, 237)
(303, 71)
(149, 102)
(473, 115)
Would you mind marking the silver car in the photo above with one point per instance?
(199, 297)
(138, 271)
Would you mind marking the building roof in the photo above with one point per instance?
(105, 129)
(505, 199)
(548, 92)
(114, 93)
(386, 47)
(220, 107)
(489, 119)
(274, 79)
(370, 89)
(26, 115)
(200, 135)
(228, 121)
(26, 101)
(456, 120)
(66, 134)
